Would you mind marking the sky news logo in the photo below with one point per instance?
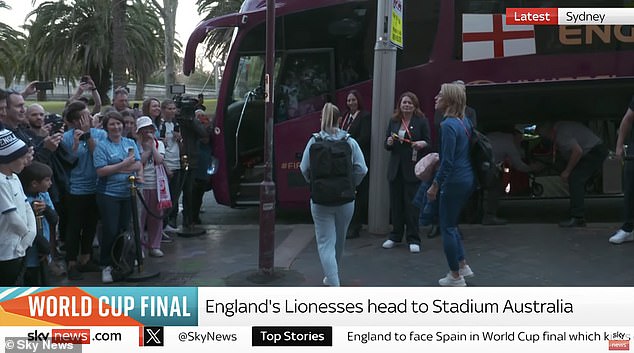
(618, 345)
(75, 336)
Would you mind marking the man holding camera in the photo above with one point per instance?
(192, 131)
(86, 84)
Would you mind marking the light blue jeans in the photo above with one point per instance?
(331, 225)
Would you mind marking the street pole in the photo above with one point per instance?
(267, 187)
(382, 108)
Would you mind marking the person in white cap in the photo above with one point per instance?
(152, 153)
(17, 221)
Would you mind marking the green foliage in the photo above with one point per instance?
(67, 39)
(217, 42)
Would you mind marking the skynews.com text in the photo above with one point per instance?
(75, 336)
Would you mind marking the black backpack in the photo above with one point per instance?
(331, 180)
(482, 159)
(123, 256)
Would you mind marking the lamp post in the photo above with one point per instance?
(382, 107)
(267, 187)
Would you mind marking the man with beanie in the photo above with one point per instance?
(17, 221)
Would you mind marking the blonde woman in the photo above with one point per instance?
(331, 221)
(454, 182)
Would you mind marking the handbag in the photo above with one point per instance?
(427, 166)
(162, 188)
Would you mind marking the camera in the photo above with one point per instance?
(56, 121)
(44, 85)
(84, 79)
(186, 106)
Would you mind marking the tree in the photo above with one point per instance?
(118, 43)
(11, 50)
(217, 43)
(72, 39)
(168, 13)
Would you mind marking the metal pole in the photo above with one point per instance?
(267, 187)
(382, 108)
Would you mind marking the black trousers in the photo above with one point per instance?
(361, 202)
(628, 196)
(81, 225)
(404, 214)
(588, 165)
(176, 187)
(10, 271)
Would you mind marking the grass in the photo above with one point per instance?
(58, 106)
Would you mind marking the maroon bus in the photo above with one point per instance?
(514, 75)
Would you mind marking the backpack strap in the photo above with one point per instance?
(317, 136)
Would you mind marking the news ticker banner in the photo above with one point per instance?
(403, 339)
(570, 16)
(96, 319)
(248, 306)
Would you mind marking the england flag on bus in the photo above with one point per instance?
(487, 36)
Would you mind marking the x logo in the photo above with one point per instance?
(153, 336)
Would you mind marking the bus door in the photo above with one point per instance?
(305, 82)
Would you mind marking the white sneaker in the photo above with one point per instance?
(106, 275)
(414, 248)
(450, 281)
(621, 236)
(156, 253)
(388, 244)
(466, 272)
(168, 228)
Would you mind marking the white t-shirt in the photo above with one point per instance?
(172, 151)
(17, 221)
(149, 171)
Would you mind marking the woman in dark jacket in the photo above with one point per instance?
(358, 123)
(407, 139)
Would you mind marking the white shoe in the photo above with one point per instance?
(169, 229)
(621, 236)
(414, 248)
(388, 244)
(156, 253)
(466, 272)
(450, 281)
(106, 275)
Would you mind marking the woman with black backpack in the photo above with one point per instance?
(333, 164)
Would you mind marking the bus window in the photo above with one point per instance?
(420, 25)
(248, 75)
(305, 84)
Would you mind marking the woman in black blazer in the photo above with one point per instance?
(407, 139)
(358, 123)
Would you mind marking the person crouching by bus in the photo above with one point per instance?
(584, 152)
(116, 158)
(331, 222)
(454, 181)
(407, 138)
(358, 123)
(624, 234)
(506, 147)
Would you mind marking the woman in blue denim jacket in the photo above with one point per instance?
(454, 179)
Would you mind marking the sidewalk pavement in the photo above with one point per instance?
(522, 254)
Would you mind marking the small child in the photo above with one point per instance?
(17, 221)
(36, 180)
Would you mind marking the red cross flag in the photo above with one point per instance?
(487, 36)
